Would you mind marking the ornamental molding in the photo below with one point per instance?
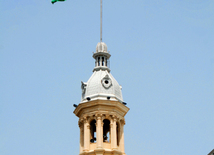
(106, 107)
(80, 123)
(101, 116)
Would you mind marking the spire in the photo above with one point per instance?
(101, 55)
(101, 14)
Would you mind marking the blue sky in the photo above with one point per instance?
(162, 55)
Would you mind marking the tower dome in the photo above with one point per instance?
(101, 47)
(101, 84)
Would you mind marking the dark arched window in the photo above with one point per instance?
(93, 131)
(118, 134)
(106, 62)
(102, 61)
(106, 130)
(98, 61)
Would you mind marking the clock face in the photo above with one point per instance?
(106, 82)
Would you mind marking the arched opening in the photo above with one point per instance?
(106, 62)
(118, 134)
(102, 61)
(98, 61)
(106, 130)
(93, 131)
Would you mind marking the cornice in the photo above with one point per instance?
(106, 107)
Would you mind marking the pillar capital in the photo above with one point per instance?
(114, 118)
(85, 119)
(99, 116)
(80, 123)
(122, 122)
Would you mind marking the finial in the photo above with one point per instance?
(101, 9)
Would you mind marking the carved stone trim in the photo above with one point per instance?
(122, 122)
(80, 124)
(86, 119)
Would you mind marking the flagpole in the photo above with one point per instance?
(101, 9)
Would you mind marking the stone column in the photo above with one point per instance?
(81, 137)
(105, 61)
(102, 132)
(99, 126)
(96, 61)
(113, 133)
(86, 135)
(122, 137)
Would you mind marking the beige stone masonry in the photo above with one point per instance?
(97, 119)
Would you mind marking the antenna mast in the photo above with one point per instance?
(101, 9)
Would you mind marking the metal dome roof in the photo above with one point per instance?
(100, 86)
(101, 47)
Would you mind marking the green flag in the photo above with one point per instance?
(54, 1)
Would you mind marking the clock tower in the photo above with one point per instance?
(101, 111)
